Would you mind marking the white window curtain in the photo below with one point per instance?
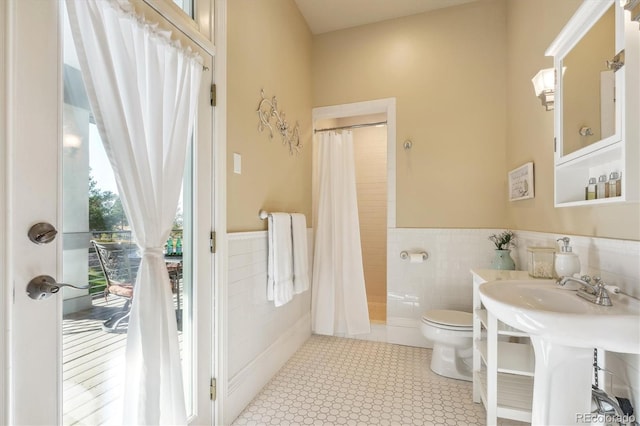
(143, 92)
(339, 299)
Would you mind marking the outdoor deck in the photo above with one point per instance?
(93, 365)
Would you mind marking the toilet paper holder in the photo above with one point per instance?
(404, 255)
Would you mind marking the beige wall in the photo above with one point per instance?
(269, 47)
(447, 70)
(462, 80)
(532, 26)
(370, 157)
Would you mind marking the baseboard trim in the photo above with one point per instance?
(249, 381)
(407, 336)
(402, 331)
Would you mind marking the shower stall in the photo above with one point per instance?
(372, 126)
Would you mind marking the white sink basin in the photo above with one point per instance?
(540, 307)
(564, 329)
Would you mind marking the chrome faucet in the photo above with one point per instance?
(594, 293)
(584, 280)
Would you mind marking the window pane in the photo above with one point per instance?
(186, 5)
(97, 242)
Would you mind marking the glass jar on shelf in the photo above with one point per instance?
(540, 261)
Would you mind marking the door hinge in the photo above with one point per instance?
(212, 241)
(617, 62)
(555, 144)
(213, 95)
(213, 389)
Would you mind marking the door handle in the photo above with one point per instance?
(43, 286)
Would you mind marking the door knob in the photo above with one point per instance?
(43, 286)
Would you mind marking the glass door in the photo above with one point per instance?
(99, 251)
(67, 358)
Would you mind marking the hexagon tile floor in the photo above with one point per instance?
(338, 381)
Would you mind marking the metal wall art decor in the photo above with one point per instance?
(268, 111)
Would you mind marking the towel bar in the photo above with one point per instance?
(263, 214)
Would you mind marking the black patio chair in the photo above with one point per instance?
(120, 273)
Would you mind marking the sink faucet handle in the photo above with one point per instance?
(597, 279)
(602, 295)
(586, 278)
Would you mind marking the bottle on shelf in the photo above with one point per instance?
(590, 190)
(170, 249)
(602, 190)
(179, 246)
(615, 189)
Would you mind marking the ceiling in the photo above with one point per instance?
(329, 15)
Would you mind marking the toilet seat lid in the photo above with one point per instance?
(450, 318)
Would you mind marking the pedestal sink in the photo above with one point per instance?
(564, 330)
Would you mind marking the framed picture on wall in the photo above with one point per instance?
(521, 182)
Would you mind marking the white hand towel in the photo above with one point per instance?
(280, 267)
(300, 253)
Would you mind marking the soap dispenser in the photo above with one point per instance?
(567, 263)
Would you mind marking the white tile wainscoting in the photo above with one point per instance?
(261, 337)
(443, 281)
(618, 263)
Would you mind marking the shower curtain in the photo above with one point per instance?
(339, 300)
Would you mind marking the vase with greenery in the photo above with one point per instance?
(503, 241)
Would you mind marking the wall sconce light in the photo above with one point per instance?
(544, 85)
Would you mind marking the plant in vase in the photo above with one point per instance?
(503, 242)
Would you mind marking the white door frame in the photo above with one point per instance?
(4, 289)
(379, 106)
(218, 49)
(32, 113)
(220, 259)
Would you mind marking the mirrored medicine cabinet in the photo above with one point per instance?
(593, 137)
(588, 87)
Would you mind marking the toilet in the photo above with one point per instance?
(452, 335)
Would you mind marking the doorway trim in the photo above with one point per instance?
(378, 106)
(219, 220)
(4, 290)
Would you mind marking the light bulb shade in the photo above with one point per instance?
(544, 85)
(544, 81)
